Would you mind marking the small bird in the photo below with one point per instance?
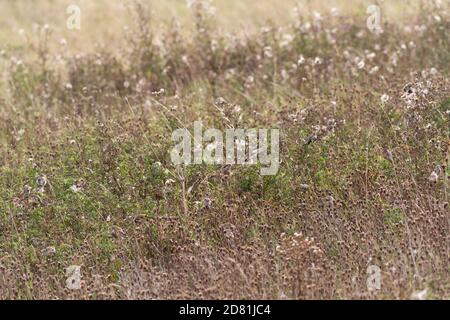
(311, 138)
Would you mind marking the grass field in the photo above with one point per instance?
(93, 207)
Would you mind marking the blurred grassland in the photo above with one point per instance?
(103, 21)
(364, 125)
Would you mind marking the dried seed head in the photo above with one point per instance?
(41, 181)
(207, 203)
(433, 177)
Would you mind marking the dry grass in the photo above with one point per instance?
(93, 119)
(104, 20)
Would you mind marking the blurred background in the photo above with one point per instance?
(103, 21)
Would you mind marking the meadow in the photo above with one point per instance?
(358, 208)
